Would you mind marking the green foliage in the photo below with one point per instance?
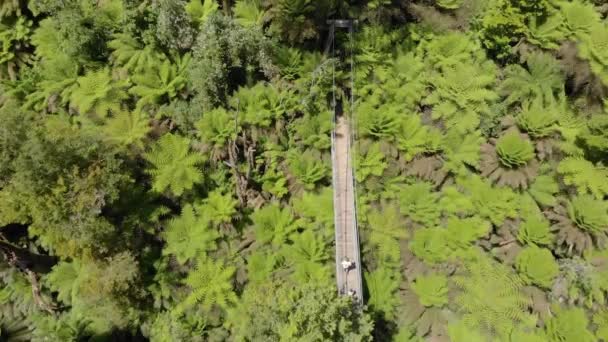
(308, 168)
(174, 166)
(273, 224)
(579, 17)
(586, 177)
(370, 163)
(589, 215)
(569, 325)
(593, 49)
(130, 54)
(537, 266)
(535, 230)
(513, 151)
(96, 93)
(189, 235)
(383, 285)
(542, 80)
(479, 197)
(160, 82)
(419, 203)
(536, 120)
(385, 233)
(248, 13)
(487, 279)
(14, 40)
(126, 128)
(450, 4)
(461, 94)
(301, 312)
(210, 284)
(199, 11)
(432, 290)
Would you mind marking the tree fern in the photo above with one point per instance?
(370, 162)
(173, 165)
(248, 13)
(542, 80)
(513, 151)
(200, 10)
(479, 197)
(579, 17)
(97, 93)
(537, 120)
(432, 290)
(210, 284)
(382, 122)
(126, 128)
(132, 55)
(162, 81)
(59, 78)
(537, 266)
(14, 47)
(569, 325)
(260, 266)
(385, 232)
(383, 285)
(449, 50)
(487, 279)
(535, 230)
(461, 151)
(307, 247)
(546, 33)
(430, 245)
(219, 208)
(307, 168)
(594, 49)
(218, 127)
(190, 235)
(461, 94)
(586, 177)
(543, 190)
(273, 224)
(316, 206)
(419, 203)
(414, 138)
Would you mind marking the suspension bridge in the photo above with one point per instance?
(348, 256)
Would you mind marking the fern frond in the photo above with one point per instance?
(189, 235)
(537, 266)
(586, 177)
(432, 290)
(174, 166)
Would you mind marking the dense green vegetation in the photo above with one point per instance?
(165, 170)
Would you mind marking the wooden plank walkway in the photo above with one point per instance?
(345, 214)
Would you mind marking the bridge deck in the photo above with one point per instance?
(345, 215)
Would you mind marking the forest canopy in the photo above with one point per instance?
(166, 169)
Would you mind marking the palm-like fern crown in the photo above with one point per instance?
(249, 13)
(594, 48)
(217, 127)
(449, 50)
(97, 93)
(569, 324)
(211, 285)
(587, 177)
(589, 214)
(307, 247)
(543, 80)
(419, 203)
(174, 166)
(382, 284)
(380, 122)
(535, 230)
(537, 266)
(537, 120)
(461, 93)
(220, 208)
(308, 167)
(132, 55)
(513, 151)
(579, 17)
(273, 224)
(432, 290)
(189, 236)
(200, 11)
(127, 128)
(508, 307)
